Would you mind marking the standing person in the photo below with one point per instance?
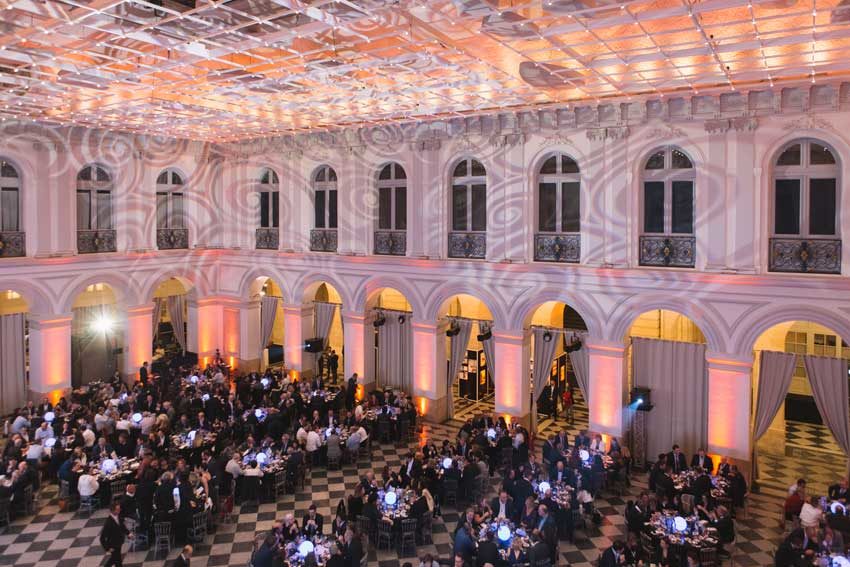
(333, 365)
(351, 392)
(184, 558)
(143, 373)
(112, 536)
(567, 402)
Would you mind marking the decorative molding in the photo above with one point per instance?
(609, 133)
(809, 121)
(664, 132)
(557, 139)
(744, 123)
(508, 140)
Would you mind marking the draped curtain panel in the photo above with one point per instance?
(676, 373)
(828, 377)
(268, 313)
(458, 344)
(544, 354)
(13, 379)
(775, 372)
(490, 355)
(580, 360)
(91, 348)
(157, 315)
(322, 320)
(395, 343)
(176, 305)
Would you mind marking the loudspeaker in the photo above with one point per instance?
(641, 399)
(313, 345)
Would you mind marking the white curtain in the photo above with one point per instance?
(580, 360)
(395, 345)
(13, 386)
(176, 305)
(323, 319)
(775, 372)
(157, 315)
(268, 313)
(489, 351)
(675, 372)
(544, 354)
(458, 343)
(828, 377)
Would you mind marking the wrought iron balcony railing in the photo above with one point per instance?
(667, 250)
(172, 238)
(12, 244)
(323, 240)
(805, 255)
(96, 241)
(268, 238)
(557, 247)
(468, 245)
(391, 242)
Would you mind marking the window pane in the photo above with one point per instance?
(385, 204)
(655, 161)
(177, 210)
(478, 169)
(319, 206)
(547, 207)
(786, 219)
(9, 213)
(332, 209)
(264, 179)
(320, 175)
(568, 165)
(820, 155)
(791, 156)
(331, 174)
(822, 206)
(683, 207)
(85, 174)
(549, 166)
(162, 210)
(401, 208)
(460, 169)
(104, 209)
(102, 175)
(83, 209)
(386, 172)
(176, 179)
(399, 172)
(264, 209)
(275, 209)
(570, 207)
(161, 180)
(479, 207)
(653, 206)
(679, 160)
(459, 207)
(7, 169)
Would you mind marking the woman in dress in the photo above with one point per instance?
(529, 513)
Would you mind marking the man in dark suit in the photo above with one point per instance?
(582, 439)
(351, 392)
(333, 365)
(703, 461)
(464, 544)
(313, 522)
(676, 459)
(353, 548)
(538, 551)
(548, 531)
(614, 555)
(143, 373)
(522, 490)
(503, 506)
(701, 487)
(337, 559)
(183, 559)
(488, 551)
(112, 536)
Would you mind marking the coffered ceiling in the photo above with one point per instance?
(235, 69)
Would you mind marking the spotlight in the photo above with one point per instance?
(486, 335)
(453, 330)
(401, 319)
(379, 322)
(639, 401)
(102, 324)
(547, 336)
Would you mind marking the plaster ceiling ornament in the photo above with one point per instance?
(809, 122)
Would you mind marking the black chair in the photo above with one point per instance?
(5, 516)
(450, 488)
(507, 457)
(426, 534)
(116, 490)
(162, 538)
(251, 491)
(198, 530)
(385, 534)
(407, 538)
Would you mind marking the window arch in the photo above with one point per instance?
(469, 196)
(94, 198)
(668, 193)
(392, 197)
(325, 197)
(170, 199)
(269, 191)
(10, 197)
(806, 190)
(558, 195)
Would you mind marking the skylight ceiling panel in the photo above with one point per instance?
(787, 24)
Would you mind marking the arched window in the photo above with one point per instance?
(10, 200)
(558, 197)
(94, 199)
(469, 196)
(667, 210)
(269, 199)
(805, 197)
(324, 187)
(392, 198)
(169, 200)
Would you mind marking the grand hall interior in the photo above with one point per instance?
(391, 283)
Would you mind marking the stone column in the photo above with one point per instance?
(138, 338)
(512, 382)
(729, 402)
(429, 371)
(50, 355)
(354, 356)
(607, 386)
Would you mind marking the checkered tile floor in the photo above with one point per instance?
(54, 539)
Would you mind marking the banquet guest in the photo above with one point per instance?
(560, 473)
(340, 524)
(112, 536)
(737, 486)
(102, 450)
(582, 439)
(810, 513)
(184, 558)
(290, 529)
(503, 506)
(87, 485)
(351, 392)
(539, 551)
(143, 373)
(483, 512)
(597, 445)
(464, 545)
(129, 504)
(614, 555)
(528, 514)
(839, 491)
(267, 553)
(43, 432)
(662, 556)
(370, 508)
(420, 505)
(723, 467)
(676, 460)
(428, 560)
(488, 551)
(337, 559)
(313, 523)
(702, 461)
(548, 531)
(701, 486)
(234, 465)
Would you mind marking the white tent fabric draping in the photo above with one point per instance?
(580, 360)
(323, 319)
(157, 315)
(13, 378)
(458, 344)
(775, 372)
(176, 305)
(268, 313)
(828, 377)
(676, 373)
(395, 346)
(544, 354)
(489, 346)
